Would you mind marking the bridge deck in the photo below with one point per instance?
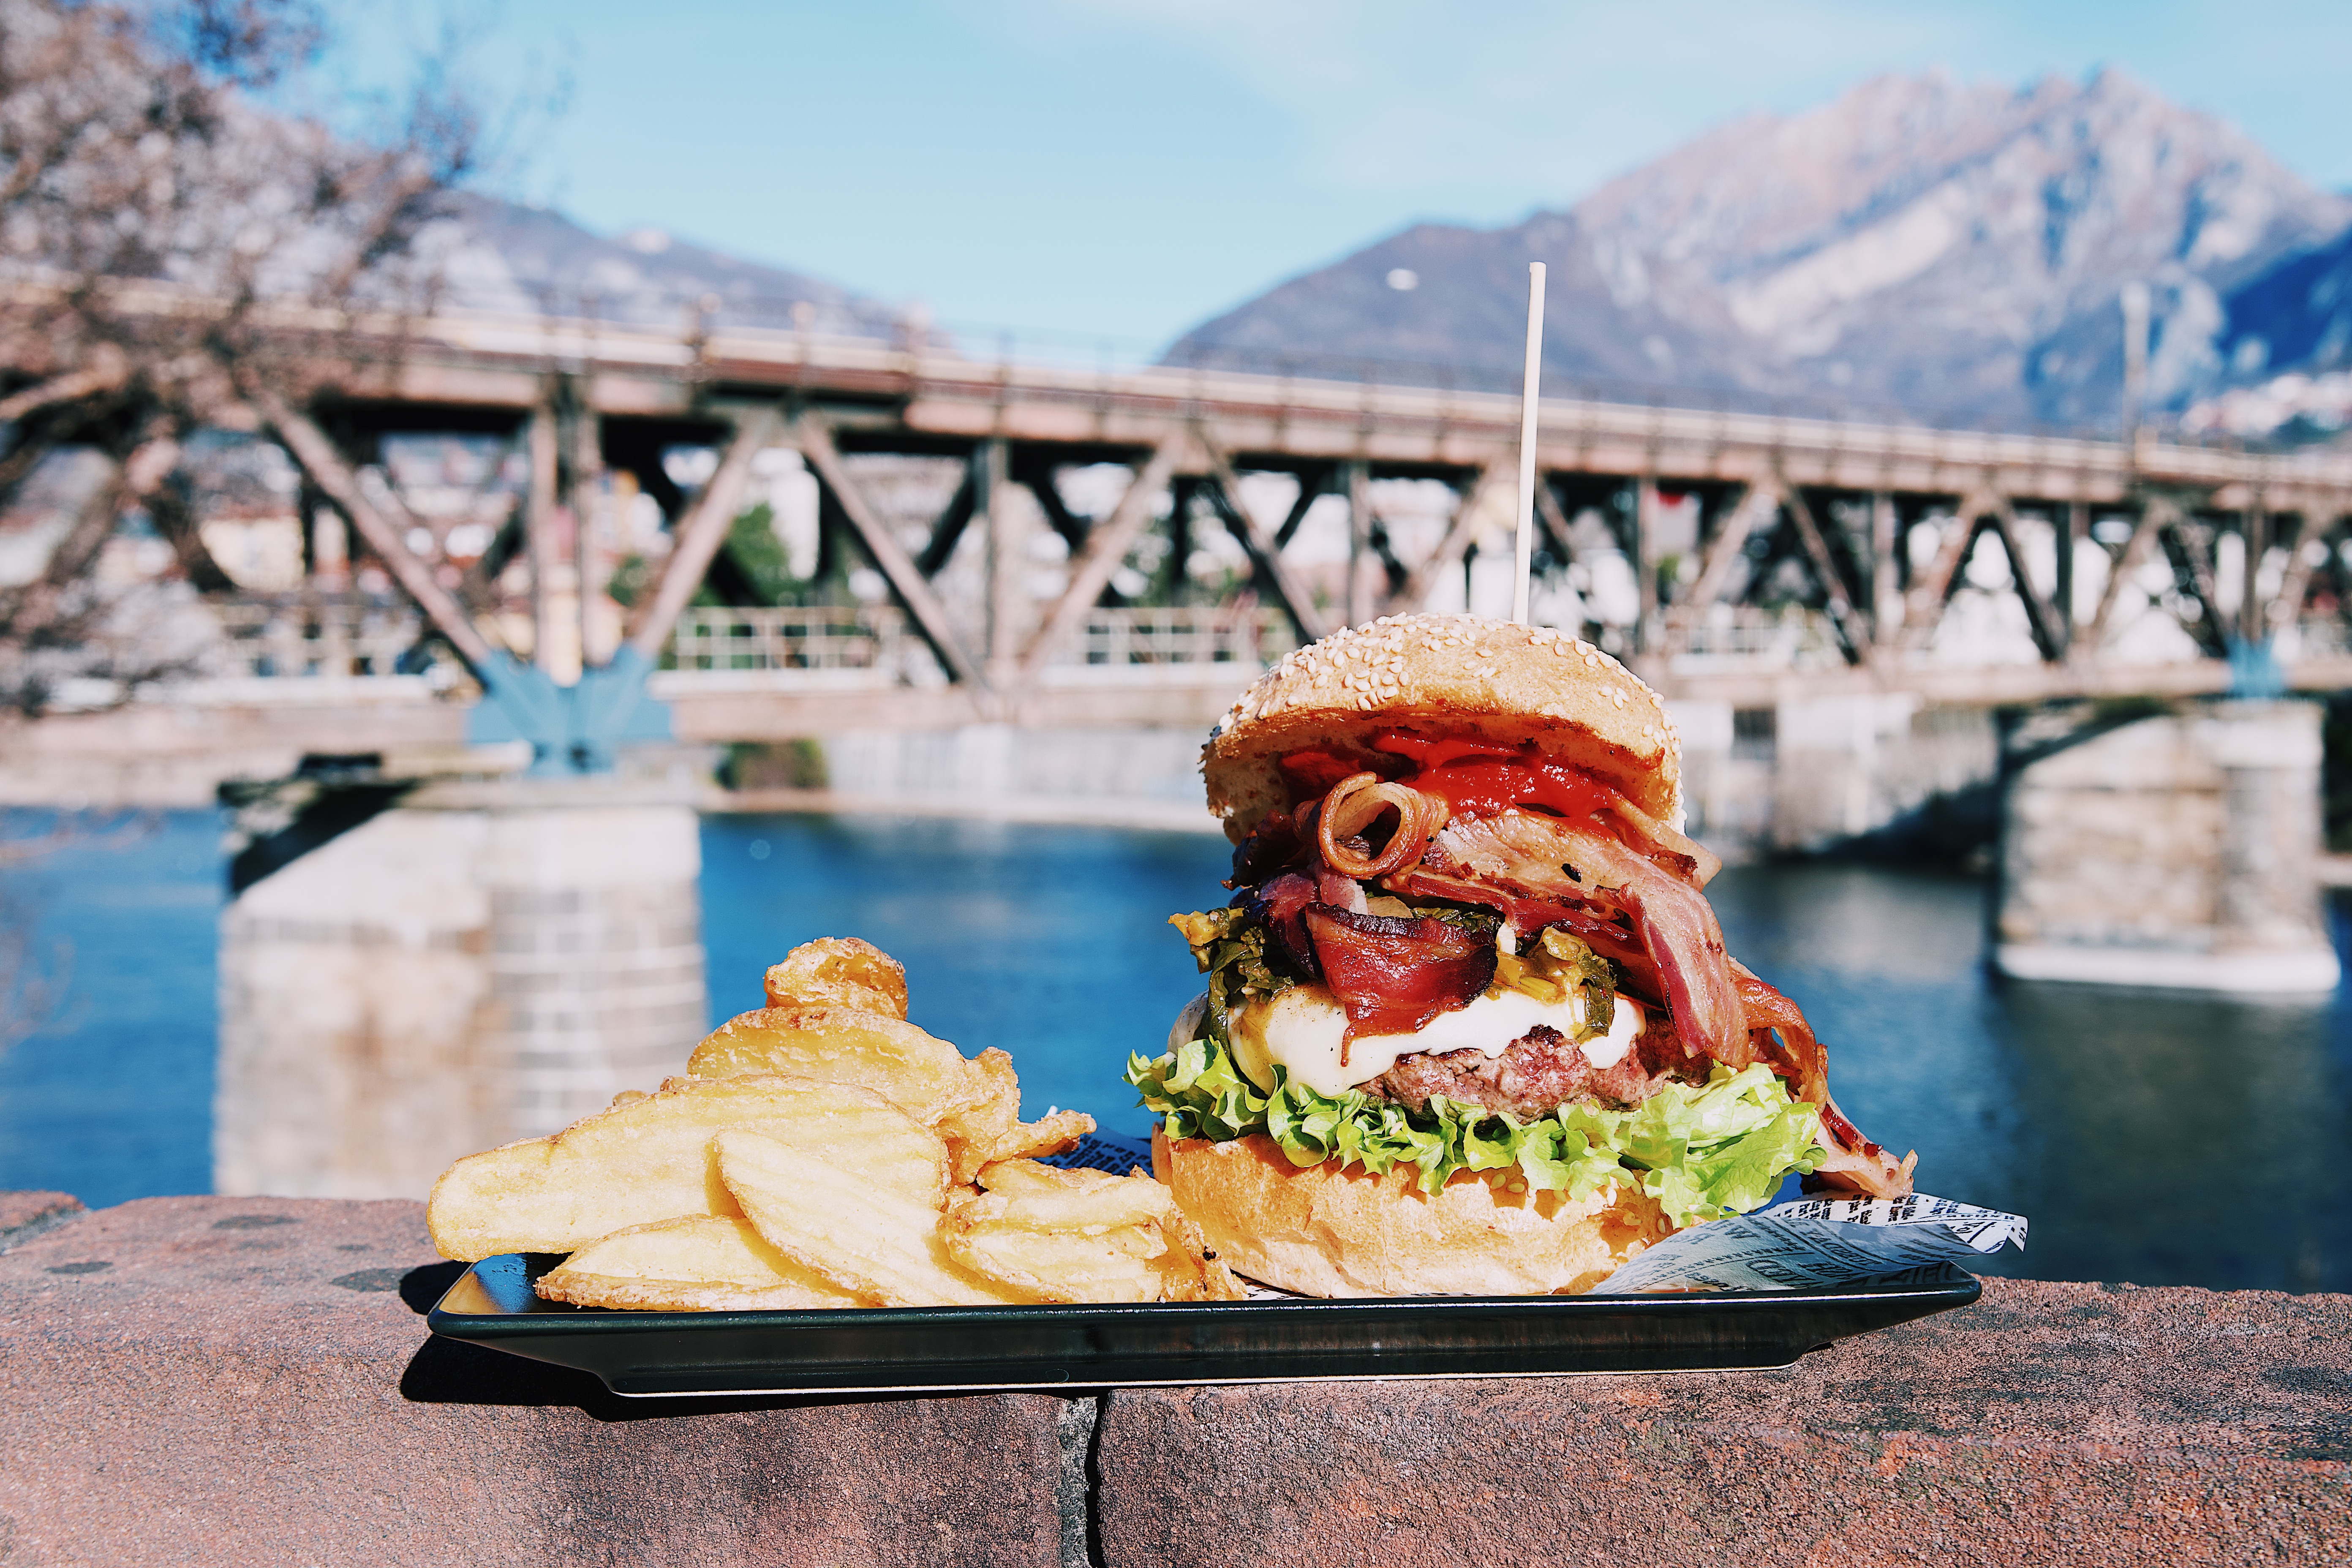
(937, 393)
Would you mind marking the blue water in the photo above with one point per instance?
(113, 1097)
(2165, 1139)
(1049, 943)
(2159, 1138)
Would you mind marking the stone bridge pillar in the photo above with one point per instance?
(2179, 851)
(478, 963)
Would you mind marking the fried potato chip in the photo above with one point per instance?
(972, 1133)
(645, 1161)
(1083, 1235)
(991, 1129)
(865, 1222)
(1086, 1202)
(840, 972)
(1189, 1270)
(925, 1077)
(990, 1236)
(704, 1263)
(1023, 1178)
(1048, 1134)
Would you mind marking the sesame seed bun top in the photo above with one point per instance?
(1441, 676)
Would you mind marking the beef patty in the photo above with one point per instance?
(1540, 1071)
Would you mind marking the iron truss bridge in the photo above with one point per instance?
(1729, 555)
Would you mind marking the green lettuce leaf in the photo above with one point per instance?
(1701, 1151)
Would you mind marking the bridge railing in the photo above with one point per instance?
(2321, 637)
(313, 637)
(1750, 639)
(316, 636)
(870, 638)
(825, 645)
(1250, 637)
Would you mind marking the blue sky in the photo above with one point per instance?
(1126, 168)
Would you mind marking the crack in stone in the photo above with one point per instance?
(17, 1237)
(1079, 1425)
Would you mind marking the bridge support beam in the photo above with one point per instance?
(814, 437)
(1467, 517)
(1265, 548)
(1106, 545)
(480, 963)
(1007, 567)
(1363, 565)
(2180, 851)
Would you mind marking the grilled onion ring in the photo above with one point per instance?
(1355, 803)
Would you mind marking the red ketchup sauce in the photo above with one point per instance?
(1477, 778)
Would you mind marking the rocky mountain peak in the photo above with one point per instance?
(1956, 248)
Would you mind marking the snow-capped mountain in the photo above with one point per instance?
(1956, 251)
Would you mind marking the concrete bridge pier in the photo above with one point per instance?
(479, 963)
(1813, 772)
(2179, 851)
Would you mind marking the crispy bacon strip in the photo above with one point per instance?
(1575, 862)
(1354, 804)
(1272, 845)
(1392, 974)
(1279, 906)
(1787, 1042)
(1795, 1054)
(1686, 855)
(1604, 928)
(1342, 891)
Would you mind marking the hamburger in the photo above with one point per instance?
(1469, 1024)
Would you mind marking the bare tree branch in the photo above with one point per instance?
(134, 154)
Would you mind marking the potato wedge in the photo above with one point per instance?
(1051, 1264)
(925, 1077)
(992, 1129)
(1086, 1201)
(859, 1217)
(1049, 1134)
(646, 1160)
(704, 1263)
(1189, 1271)
(1024, 1178)
(1082, 1235)
(839, 971)
(973, 1131)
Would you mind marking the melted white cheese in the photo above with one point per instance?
(1302, 1028)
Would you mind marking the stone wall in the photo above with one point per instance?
(481, 964)
(595, 961)
(1818, 772)
(2181, 850)
(249, 1381)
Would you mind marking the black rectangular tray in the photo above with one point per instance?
(914, 1350)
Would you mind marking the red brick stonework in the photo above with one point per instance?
(216, 1380)
(248, 1381)
(22, 1213)
(2048, 1424)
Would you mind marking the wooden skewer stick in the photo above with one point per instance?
(1527, 539)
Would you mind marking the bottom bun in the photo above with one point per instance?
(1321, 1230)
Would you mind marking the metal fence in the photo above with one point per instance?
(1250, 636)
(317, 635)
(872, 638)
(1753, 639)
(877, 639)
